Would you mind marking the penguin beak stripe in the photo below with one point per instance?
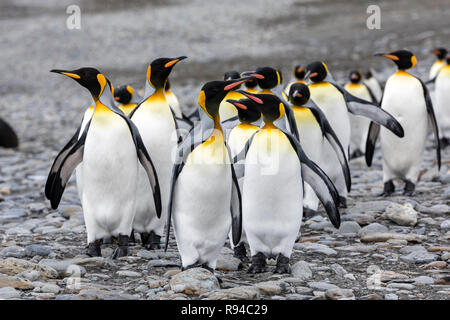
(314, 74)
(116, 98)
(390, 56)
(239, 105)
(257, 100)
(257, 76)
(171, 63)
(233, 85)
(299, 95)
(69, 74)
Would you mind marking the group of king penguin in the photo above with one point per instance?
(252, 160)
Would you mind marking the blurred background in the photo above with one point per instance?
(120, 38)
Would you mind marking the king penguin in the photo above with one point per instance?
(109, 140)
(336, 103)
(359, 125)
(156, 122)
(407, 99)
(440, 54)
(299, 75)
(8, 137)
(275, 169)
(251, 85)
(127, 98)
(227, 110)
(249, 122)
(373, 84)
(205, 199)
(442, 102)
(314, 129)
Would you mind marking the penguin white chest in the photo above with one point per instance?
(272, 194)
(404, 100)
(109, 175)
(201, 208)
(442, 99)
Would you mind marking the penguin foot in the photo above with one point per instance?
(258, 263)
(342, 202)
(144, 238)
(122, 249)
(410, 189)
(308, 213)
(154, 241)
(356, 154)
(282, 265)
(389, 189)
(241, 253)
(132, 240)
(94, 249)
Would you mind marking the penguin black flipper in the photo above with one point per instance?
(236, 205)
(58, 160)
(319, 181)
(370, 110)
(432, 116)
(8, 137)
(145, 160)
(372, 136)
(192, 140)
(72, 159)
(332, 138)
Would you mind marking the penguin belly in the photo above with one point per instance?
(437, 65)
(404, 100)
(333, 105)
(109, 176)
(442, 102)
(226, 109)
(79, 170)
(173, 102)
(359, 126)
(272, 194)
(312, 142)
(239, 136)
(201, 207)
(157, 128)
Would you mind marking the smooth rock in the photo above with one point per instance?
(419, 257)
(315, 248)
(339, 294)
(9, 293)
(349, 228)
(270, 288)
(195, 281)
(13, 266)
(338, 269)
(301, 270)
(13, 251)
(391, 296)
(37, 250)
(371, 228)
(129, 274)
(323, 286)
(423, 280)
(445, 225)
(15, 282)
(237, 293)
(385, 236)
(162, 263)
(102, 294)
(228, 263)
(50, 288)
(403, 215)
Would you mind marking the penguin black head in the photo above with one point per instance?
(368, 74)
(251, 83)
(316, 71)
(267, 77)
(448, 60)
(231, 75)
(213, 92)
(299, 94)
(404, 59)
(355, 76)
(159, 70)
(90, 78)
(440, 53)
(248, 111)
(167, 87)
(299, 72)
(270, 106)
(124, 94)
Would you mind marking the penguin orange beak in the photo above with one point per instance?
(436, 52)
(66, 73)
(174, 61)
(236, 83)
(116, 98)
(253, 74)
(250, 96)
(389, 56)
(237, 104)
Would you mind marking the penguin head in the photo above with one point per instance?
(213, 92)
(231, 75)
(124, 94)
(270, 106)
(368, 74)
(355, 76)
(248, 111)
(299, 72)
(317, 71)
(404, 59)
(299, 94)
(267, 77)
(251, 83)
(159, 70)
(440, 53)
(91, 79)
